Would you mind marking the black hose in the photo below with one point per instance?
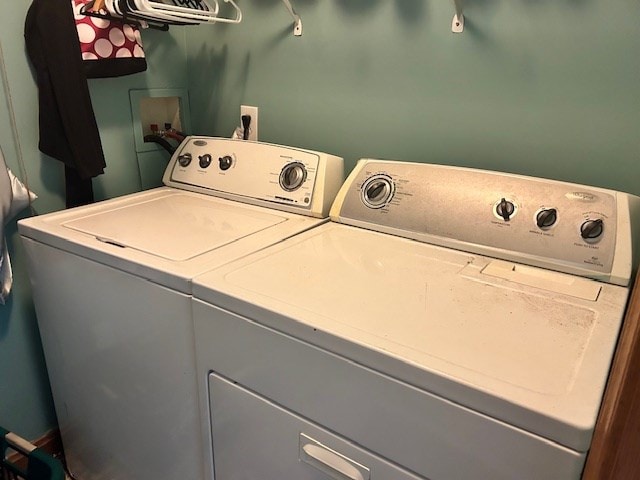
(160, 141)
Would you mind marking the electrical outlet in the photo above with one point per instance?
(253, 126)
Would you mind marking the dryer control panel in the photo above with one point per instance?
(561, 226)
(259, 173)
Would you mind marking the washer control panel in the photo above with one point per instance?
(562, 226)
(256, 172)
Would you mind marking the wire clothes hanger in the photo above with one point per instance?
(104, 13)
(205, 13)
(140, 10)
(160, 14)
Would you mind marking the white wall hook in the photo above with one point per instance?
(297, 22)
(457, 24)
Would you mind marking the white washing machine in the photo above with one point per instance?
(112, 288)
(448, 323)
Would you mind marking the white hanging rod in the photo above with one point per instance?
(297, 22)
(457, 24)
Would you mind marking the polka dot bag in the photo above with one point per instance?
(109, 48)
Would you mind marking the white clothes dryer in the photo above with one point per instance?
(449, 323)
(112, 284)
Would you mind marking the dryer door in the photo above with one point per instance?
(255, 438)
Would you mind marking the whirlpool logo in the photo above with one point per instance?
(582, 196)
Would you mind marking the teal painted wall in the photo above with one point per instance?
(25, 399)
(538, 87)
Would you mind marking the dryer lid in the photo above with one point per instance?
(530, 347)
(175, 227)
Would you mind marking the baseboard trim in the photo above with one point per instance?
(50, 442)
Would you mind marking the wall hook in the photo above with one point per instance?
(457, 24)
(297, 22)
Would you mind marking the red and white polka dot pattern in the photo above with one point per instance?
(101, 38)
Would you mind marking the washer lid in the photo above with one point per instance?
(165, 235)
(176, 227)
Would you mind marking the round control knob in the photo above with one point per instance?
(225, 162)
(592, 229)
(505, 209)
(546, 218)
(205, 160)
(184, 159)
(377, 191)
(293, 176)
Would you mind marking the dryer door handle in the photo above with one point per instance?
(331, 462)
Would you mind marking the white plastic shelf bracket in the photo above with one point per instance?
(457, 24)
(297, 22)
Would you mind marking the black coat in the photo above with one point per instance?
(68, 128)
